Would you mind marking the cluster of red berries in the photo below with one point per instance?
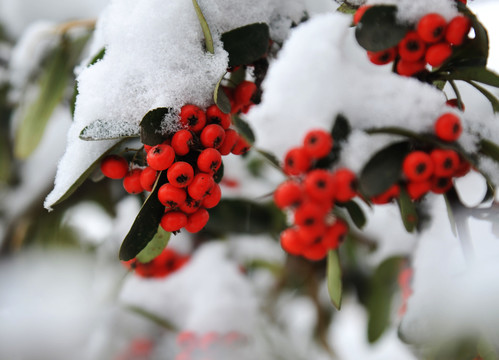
(430, 42)
(191, 158)
(209, 346)
(310, 193)
(139, 349)
(162, 265)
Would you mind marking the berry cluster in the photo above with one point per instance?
(431, 41)
(162, 265)
(191, 157)
(209, 346)
(310, 193)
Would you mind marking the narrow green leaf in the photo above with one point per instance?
(383, 169)
(490, 149)
(152, 317)
(356, 214)
(150, 126)
(246, 44)
(244, 129)
(347, 9)
(155, 246)
(272, 159)
(5, 158)
(146, 224)
(474, 73)
(493, 100)
(205, 27)
(334, 283)
(408, 212)
(450, 214)
(220, 98)
(378, 28)
(103, 130)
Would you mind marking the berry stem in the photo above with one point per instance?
(206, 29)
(458, 95)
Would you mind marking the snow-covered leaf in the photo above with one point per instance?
(334, 283)
(246, 44)
(104, 130)
(151, 124)
(155, 246)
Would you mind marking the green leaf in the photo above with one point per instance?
(146, 224)
(244, 129)
(5, 158)
(347, 9)
(474, 73)
(493, 100)
(150, 126)
(104, 130)
(155, 246)
(450, 215)
(220, 98)
(246, 44)
(383, 169)
(381, 288)
(152, 317)
(204, 26)
(408, 213)
(341, 129)
(334, 283)
(486, 350)
(490, 149)
(378, 28)
(271, 158)
(356, 214)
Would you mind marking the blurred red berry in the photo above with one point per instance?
(114, 166)
(131, 182)
(431, 27)
(448, 127)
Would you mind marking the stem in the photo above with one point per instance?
(460, 104)
(206, 29)
(65, 27)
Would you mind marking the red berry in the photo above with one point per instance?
(190, 206)
(230, 139)
(243, 93)
(289, 193)
(440, 185)
(148, 178)
(344, 184)
(411, 47)
(448, 127)
(457, 30)
(312, 234)
(209, 160)
(318, 143)
(437, 54)
(186, 339)
(382, 57)
(182, 142)
(455, 104)
(417, 189)
(418, 166)
(410, 68)
(147, 148)
(297, 161)
(160, 157)
(315, 252)
(216, 116)
(192, 117)
(309, 214)
(319, 185)
(431, 27)
(386, 197)
(212, 136)
(200, 186)
(180, 174)
(446, 162)
(171, 196)
(114, 167)
(335, 234)
(173, 221)
(359, 13)
(213, 198)
(463, 168)
(131, 182)
(241, 147)
(197, 220)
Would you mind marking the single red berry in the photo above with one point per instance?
(455, 104)
(212, 136)
(131, 182)
(197, 220)
(173, 221)
(344, 184)
(186, 339)
(147, 148)
(411, 47)
(190, 206)
(410, 68)
(209, 340)
(171, 196)
(192, 117)
(213, 198)
(440, 185)
(114, 166)
(320, 186)
(417, 189)
(382, 57)
(160, 157)
(297, 161)
(289, 193)
(315, 252)
(216, 116)
(335, 234)
(230, 139)
(446, 162)
(209, 161)
(386, 197)
(180, 174)
(309, 214)
(318, 143)
(457, 30)
(437, 54)
(241, 147)
(243, 93)
(359, 13)
(431, 27)
(182, 141)
(418, 166)
(148, 178)
(448, 127)
(463, 168)
(200, 186)
(463, 1)
(312, 234)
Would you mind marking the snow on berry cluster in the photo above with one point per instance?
(431, 41)
(209, 346)
(162, 265)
